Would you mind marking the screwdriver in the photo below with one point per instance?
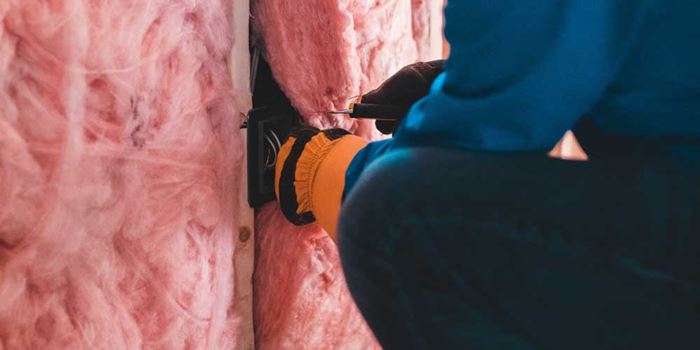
(375, 111)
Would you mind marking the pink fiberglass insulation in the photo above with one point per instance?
(301, 298)
(118, 158)
(427, 25)
(323, 52)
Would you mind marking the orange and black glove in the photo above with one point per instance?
(311, 165)
(310, 175)
(404, 88)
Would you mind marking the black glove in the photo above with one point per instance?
(404, 88)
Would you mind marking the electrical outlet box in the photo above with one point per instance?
(268, 127)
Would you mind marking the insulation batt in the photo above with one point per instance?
(323, 52)
(118, 173)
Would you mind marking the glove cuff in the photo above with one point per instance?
(296, 169)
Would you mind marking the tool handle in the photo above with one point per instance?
(379, 112)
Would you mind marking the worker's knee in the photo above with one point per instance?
(395, 195)
(405, 181)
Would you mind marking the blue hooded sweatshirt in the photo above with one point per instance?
(522, 73)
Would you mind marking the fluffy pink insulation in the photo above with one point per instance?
(118, 173)
(323, 52)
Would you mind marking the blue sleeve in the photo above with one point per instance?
(520, 73)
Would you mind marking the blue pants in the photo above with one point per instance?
(446, 249)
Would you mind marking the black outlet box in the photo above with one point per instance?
(268, 126)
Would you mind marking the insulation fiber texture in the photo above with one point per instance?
(322, 53)
(118, 158)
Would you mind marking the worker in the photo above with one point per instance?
(460, 233)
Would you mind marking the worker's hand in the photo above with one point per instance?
(404, 88)
(310, 174)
